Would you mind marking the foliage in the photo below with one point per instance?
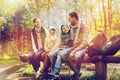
(117, 54)
(28, 70)
(8, 60)
(115, 75)
(88, 77)
(16, 19)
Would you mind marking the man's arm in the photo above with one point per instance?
(84, 42)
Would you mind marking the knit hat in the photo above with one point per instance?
(52, 28)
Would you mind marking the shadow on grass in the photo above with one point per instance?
(64, 74)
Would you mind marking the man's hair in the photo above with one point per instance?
(74, 14)
(35, 20)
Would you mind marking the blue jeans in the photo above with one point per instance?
(53, 57)
(65, 56)
(75, 66)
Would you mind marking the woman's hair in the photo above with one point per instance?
(62, 30)
(35, 19)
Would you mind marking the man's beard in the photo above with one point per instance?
(73, 24)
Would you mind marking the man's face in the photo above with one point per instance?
(71, 20)
(37, 23)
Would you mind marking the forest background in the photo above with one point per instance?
(16, 20)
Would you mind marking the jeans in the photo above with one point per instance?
(53, 56)
(65, 56)
(79, 55)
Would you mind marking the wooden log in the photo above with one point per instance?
(101, 70)
(111, 59)
(107, 59)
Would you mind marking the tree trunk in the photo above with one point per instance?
(109, 15)
(105, 26)
(95, 25)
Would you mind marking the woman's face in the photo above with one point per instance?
(37, 23)
(65, 29)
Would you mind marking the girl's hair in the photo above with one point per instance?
(62, 30)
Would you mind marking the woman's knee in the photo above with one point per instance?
(63, 55)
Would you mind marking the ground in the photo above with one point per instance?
(13, 72)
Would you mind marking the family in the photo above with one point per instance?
(69, 47)
(53, 51)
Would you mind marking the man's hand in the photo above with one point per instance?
(72, 54)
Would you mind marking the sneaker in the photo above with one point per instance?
(53, 76)
(76, 76)
(37, 74)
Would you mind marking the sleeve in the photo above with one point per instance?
(86, 34)
(57, 43)
(33, 44)
(46, 43)
(85, 37)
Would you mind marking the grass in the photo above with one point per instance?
(115, 75)
(28, 70)
(6, 60)
(65, 75)
(88, 77)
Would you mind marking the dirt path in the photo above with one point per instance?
(13, 72)
(7, 71)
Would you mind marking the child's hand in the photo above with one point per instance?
(86, 57)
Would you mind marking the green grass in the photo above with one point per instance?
(65, 75)
(115, 76)
(6, 60)
(28, 70)
(87, 77)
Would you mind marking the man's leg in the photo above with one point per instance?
(70, 63)
(67, 60)
(79, 58)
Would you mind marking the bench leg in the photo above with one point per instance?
(101, 71)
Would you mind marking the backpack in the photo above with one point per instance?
(112, 46)
(94, 48)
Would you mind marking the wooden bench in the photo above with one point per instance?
(101, 65)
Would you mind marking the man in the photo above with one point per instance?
(80, 37)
